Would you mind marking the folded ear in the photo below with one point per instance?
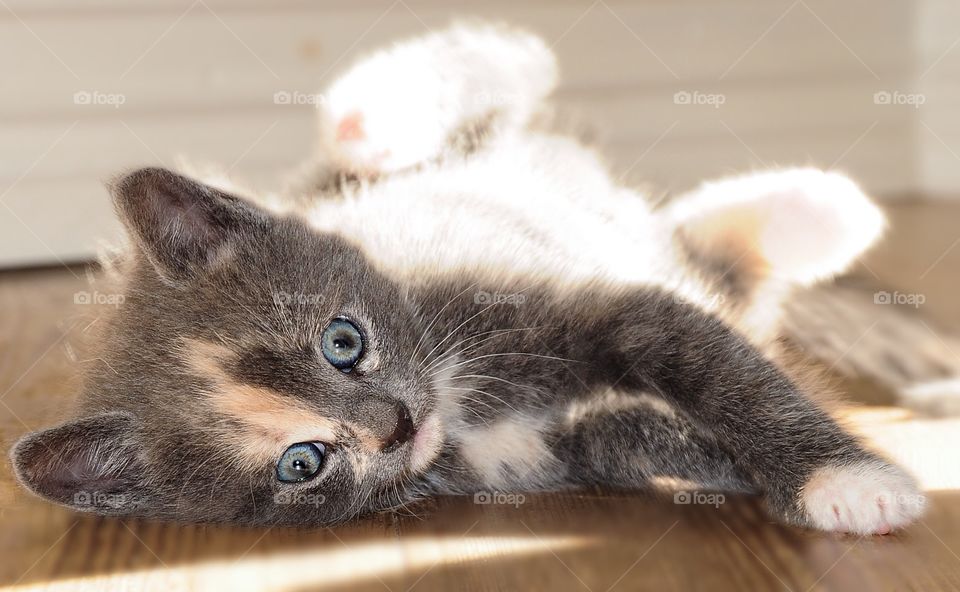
(794, 225)
(91, 464)
(183, 226)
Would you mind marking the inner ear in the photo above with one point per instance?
(184, 227)
(91, 464)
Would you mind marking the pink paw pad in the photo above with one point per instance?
(350, 128)
(871, 498)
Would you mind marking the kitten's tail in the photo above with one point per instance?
(878, 336)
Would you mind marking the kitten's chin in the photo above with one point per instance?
(426, 444)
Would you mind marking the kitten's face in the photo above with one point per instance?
(256, 372)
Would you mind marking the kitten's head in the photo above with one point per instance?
(257, 371)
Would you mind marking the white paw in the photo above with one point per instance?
(399, 106)
(869, 498)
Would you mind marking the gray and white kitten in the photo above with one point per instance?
(461, 302)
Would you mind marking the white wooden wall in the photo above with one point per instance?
(197, 79)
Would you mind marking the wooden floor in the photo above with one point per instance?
(589, 541)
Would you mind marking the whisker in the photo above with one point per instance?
(458, 327)
(487, 376)
(491, 395)
(502, 354)
(437, 316)
(476, 413)
(450, 352)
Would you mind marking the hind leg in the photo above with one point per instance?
(762, 237)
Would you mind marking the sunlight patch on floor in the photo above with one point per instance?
(321, 567)
(925, 446)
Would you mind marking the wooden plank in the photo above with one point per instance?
(277, 135)
(68, 216)
(98, 149)
(627, 541)
(938, 127)
(165, 62)
(63, 220)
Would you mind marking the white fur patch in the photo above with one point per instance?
(613, 401)
(398, 107)
(509, 449)
(870, 498)
(532, 208)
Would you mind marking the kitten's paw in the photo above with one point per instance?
(873, 497)
(402, 106)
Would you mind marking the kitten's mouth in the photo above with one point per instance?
(403, 432)
(427, 441)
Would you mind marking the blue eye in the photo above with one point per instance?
(342, 344)
(300, 462)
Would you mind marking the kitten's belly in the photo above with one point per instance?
(507, 217)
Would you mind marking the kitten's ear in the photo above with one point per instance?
(91, 464)
(183, 226)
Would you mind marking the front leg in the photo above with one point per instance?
(632, 440)
(810, 471)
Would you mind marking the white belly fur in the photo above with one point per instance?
(531, 206)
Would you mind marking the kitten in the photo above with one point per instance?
(448, 320)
